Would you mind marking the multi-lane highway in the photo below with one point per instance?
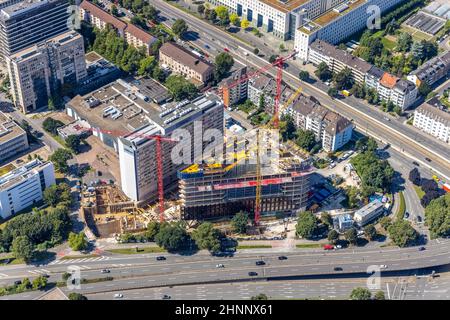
(408, 140)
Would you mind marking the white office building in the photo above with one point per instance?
(369, 212)
(433, 121)
(23, 187)
(337, 24)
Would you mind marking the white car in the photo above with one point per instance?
(383, 266)
(220, 265)
(118, 295)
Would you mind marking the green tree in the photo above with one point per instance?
(323, 72)
(114, 10)
(333, 236)
(51, 125)
(385, 222)
(404, 42)
(303, 75)
(65, 276)
(239, 222)
(245, 24)
(73, 142)
(58, 194)
(150, 13)
(273, 58)
(326, 218)
(256, 51)
(207, 237)
(180, 88)
(235, 20)
(424, 89)
(360, 294)
(78, 241)
(306, 139)
(358, 90)
(146, 66)
(22, 248)
(39, 283)
(370, 231)
(152, 230)
(201, 9)
(76, 296)
(379, 295)
(402, 233)
(353, 196)
(306, 225)
(351, 235)
(333, 92)
(344, 79)
(60, 158)
(437, 216)
(179, 27)
(223, 63)
(172, 237)
(223, 15)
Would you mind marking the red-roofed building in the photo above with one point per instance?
(133, 35)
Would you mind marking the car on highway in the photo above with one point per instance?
(166, 297)
(337, 269)
(428, 159)
(105, 271)
(383, 266)
(419, 219)
(416, 163)
(207, 46)
(220, 265)
(118, 295)
(406, 216)
(252, 273)
(332, 165)
(422, 249)
(160, 258)
(226, 49)
(386, 118)
(282, 258)
(260, 263)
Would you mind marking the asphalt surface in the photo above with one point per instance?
(410, 141)
(144, 271)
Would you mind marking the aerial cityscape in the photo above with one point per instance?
(224, 150)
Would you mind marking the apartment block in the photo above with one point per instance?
(27, 22)
(369, 212)
(337, 23)
(132, 34)
(235, 88)
(432, 70)
(337, 60)
(13, 139)
(433, 120)
(185, 63)
(330, 128)
(23, 187)
(122, 115)
(280, 18)
(38, 72)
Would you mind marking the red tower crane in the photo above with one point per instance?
(279, 63)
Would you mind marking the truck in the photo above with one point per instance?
(346, 93)
(446, 187)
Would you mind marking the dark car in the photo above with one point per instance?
(105, 271)
(282, 258)
(17, 282)
(416, 163)
(337, 269)
(428, 159)
(166, 297)
(406, 215)
(252, 274)
(419, 219)
(422, 248)
(160, 258)
(260, 263)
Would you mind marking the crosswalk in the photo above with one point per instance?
(75, 261)
(38, 272)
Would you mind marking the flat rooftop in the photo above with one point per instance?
(285, 5)
(9, 129)
(22, 6)
(123, 107)
(20, 173)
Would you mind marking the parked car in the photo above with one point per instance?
(118, 295)
(17, 282)
(166, 297)
(160, 258)
(422, 249)
(416, 163)
(383, 266)
(337, 269)
(328, 247)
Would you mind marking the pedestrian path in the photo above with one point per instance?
(74, 261)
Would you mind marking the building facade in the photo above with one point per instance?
(27, 22)
(38, 72)
(13, 139)
(337, 24)
(185, 63)
(432, 70)
(132, 34)
(234, 89)
(23, 187)
(369, 212)
(433, 121)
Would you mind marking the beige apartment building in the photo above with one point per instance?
(37, 71)
(183, 62)
(133, 35)
(13, 139)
